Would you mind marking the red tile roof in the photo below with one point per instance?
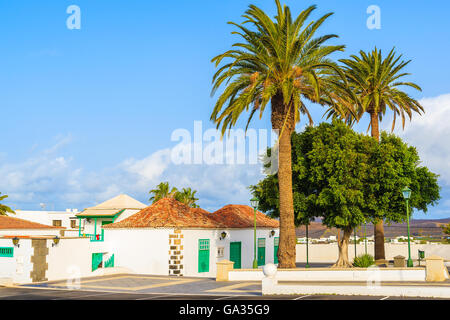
(168, 213)
(240, 216)
(171, 213)
(7, 222)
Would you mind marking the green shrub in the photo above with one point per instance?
(363, 261)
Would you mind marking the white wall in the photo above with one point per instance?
(127, 213)
(245, 236)
(17, 268)
(329, 252)
(69, 258)
(142, 250)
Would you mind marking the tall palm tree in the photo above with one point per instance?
(162, 191)
(374, 86)
(280, 61)
(187, 196)
(4, 209)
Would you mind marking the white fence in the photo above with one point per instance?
(327, 253)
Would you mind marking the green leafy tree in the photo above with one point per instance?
(4, 209)
(279, 61)
(446, 229)
(347, 179)
(373, 86)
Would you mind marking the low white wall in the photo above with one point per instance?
(269, 288)
(18, 267)
(326, 274)
(69, 258)
(328, 253)
(142, 250)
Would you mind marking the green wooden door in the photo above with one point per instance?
(276, 241)
(203, 255)
(235, 254)
(261, 251)
(97, 259)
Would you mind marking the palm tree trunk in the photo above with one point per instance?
(287, 243)
(286, 252)
(378, 226)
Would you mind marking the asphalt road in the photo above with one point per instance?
(8, 293)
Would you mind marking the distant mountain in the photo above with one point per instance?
(418, 227)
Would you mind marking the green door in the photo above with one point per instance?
(97, 259)
(276, 241)
(261, 251)
(235, 254)
(203, 255)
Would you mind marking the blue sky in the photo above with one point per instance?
(87, 111)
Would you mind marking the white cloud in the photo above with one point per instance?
(430, 134)
(58, 182)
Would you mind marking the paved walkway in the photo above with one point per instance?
(168, 287)
(43, 293)
(157, 285)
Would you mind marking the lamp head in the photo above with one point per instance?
(406, 193)
(254, 202)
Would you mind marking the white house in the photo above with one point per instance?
(170, 238)
(92, 220)
(12, 227)
(66, 219)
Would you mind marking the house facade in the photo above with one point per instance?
(170, 238)
(166, 238)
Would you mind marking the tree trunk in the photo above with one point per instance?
(378, 226)
(343, 261)
(286, 251)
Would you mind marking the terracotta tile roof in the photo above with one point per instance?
(171, 213)
(7, 222)
(168, 213)
(241, 216)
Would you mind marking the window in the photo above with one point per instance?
(6, 251)
(57, 223)
(261, 242)
(73, 224)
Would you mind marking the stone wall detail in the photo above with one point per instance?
(39, 260)
(176, 253)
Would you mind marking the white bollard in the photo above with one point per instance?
(269, 281)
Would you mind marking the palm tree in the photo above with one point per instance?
(187, 196)
(374, 86)
(281, 62)
(162, 191)
(4, 209)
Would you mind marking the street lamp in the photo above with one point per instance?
(407, 194)
(254, 202)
